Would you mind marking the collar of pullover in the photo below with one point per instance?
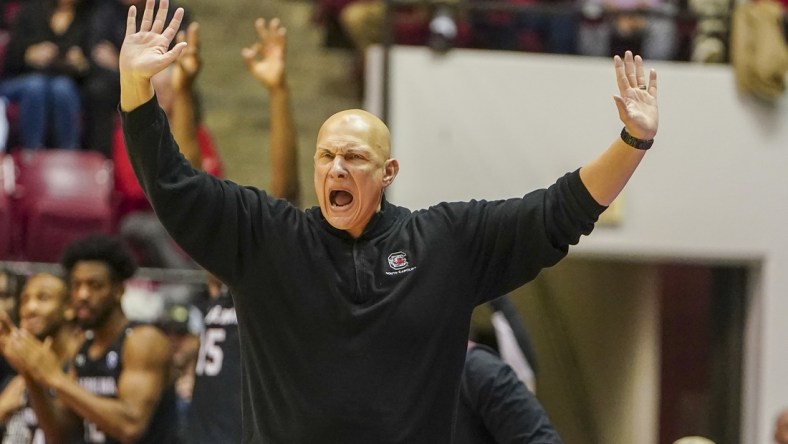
(379, 223)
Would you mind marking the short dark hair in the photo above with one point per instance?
(102, 248)
(15, 282)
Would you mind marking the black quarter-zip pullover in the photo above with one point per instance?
(352, 340)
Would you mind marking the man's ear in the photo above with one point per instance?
(390, 170)
(118, 290)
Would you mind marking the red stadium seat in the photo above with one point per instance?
(7, 183)
(62, 195)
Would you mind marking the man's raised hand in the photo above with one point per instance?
(637, 99)
(145, 51)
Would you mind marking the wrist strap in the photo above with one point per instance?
(634, 142)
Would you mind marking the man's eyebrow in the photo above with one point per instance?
(349, 147)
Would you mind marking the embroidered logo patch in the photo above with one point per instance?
(398, 260)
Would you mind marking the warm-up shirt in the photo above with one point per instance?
(349, 340)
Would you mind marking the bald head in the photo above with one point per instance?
(353, 166)
(361, 125)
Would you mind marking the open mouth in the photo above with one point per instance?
(82, 312)
(30, 323)
(340, 198)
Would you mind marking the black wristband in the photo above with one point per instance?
(634, 142)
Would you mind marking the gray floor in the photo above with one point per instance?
(236, 108)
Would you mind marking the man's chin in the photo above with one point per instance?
(85, 324)
(344, 222)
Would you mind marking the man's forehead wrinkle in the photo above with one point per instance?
(342, 145)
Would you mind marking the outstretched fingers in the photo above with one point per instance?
(193, 35)
(147, 16)
(161, 16)
(175, 24)
(630, 73)
(621, 75)
(652, 83)
(629, 68)
(261, 29)
(639, 72)
(131, 21)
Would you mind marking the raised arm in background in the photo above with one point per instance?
(183, 116)
(266, 62)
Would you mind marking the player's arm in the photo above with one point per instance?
(146, 363)
(265, 60)
(183, 118)
(58, 423)
(12, 398)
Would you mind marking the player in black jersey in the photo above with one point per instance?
(123, 392)
(44, 314)
(215, 410)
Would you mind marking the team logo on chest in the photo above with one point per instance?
(398, 261)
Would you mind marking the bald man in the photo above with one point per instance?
(353, 316)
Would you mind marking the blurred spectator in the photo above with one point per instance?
(549, 26)
(759, 52)
(430, 23)
(107, 29)
(710, 40)
(47, 316)
(45, 64)
(178, 324)
(122, 391)
(781, 428)
(642, 26)
(495, 406)
(10, 286)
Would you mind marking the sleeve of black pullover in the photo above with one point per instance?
(217, 222)
(509, 241)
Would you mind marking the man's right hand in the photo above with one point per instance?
(145, 52)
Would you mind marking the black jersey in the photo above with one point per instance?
(22, 427)
(215, 411)
(100, 376)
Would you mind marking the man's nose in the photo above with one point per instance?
(28, 307)
(80, 292)
(338, 167)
